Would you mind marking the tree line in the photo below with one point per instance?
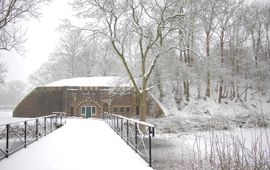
(216, 47)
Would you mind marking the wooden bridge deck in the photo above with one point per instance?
(80, 144)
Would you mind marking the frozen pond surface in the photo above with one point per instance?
(171, 150)
(247, 136)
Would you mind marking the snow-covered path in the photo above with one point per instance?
(80, 144)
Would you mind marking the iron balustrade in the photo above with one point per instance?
(130, 131)
(17, 135)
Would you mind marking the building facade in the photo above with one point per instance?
(83, 97)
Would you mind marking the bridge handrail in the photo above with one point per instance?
(130, 131)
(134, 120)
(17, 135)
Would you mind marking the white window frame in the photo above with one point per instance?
(94, 114)
(83, 110)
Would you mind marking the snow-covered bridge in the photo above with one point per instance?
(80, 144)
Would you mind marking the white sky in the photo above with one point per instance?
(42, 38)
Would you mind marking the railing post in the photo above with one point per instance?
(64, 118)
(7, 140)
(36, 129)
(136, 138)
(61, 117)
(56, 121)
(109, 120)
(45, 126)
(121, 129)
(127, 131)
(153, 131)
(51, 124)
(117, 127)
(112, 122)
(25, 134)
(150, 147)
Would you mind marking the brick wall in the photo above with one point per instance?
(45, 100)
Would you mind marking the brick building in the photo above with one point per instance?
(84, 97)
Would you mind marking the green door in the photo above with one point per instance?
(88, 111)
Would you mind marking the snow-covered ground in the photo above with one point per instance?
(80, 144)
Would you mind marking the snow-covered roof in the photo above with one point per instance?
(92, 82)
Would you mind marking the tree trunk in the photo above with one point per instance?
(143, 106)
(268, 42)
(185, 86)
(222, 61)
(222, 47)
(187, 91)
(254, 48)
(220, 90)
(199, 92)
(178, 95)
(208, 87)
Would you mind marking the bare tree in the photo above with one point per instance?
(209, 20)
(76, 56)
(106, 63)
(146, 23)
(66, 61)
(227, 10)
(257, 25)
(12, 12)
(48, 72)
(11, 34)
(70, 53)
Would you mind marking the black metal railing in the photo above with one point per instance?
(136, 133)
(17, 135)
